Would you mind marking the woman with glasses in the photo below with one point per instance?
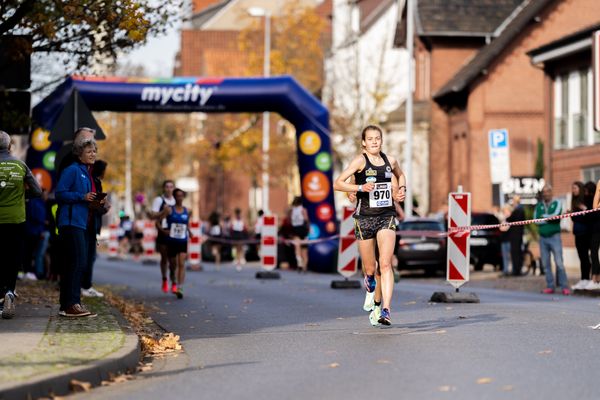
(75, 193)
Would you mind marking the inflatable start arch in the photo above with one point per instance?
(212, 95)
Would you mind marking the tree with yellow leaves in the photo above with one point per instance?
(88, 32)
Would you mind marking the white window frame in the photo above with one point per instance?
(573, 109)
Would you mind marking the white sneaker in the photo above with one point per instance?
(30, 276)
(580, 285)
(369, 301)
(592, 286)
(91, 292)
(374, 315)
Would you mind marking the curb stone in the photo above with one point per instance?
(121, 361)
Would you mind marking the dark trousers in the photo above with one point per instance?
(582, 244)
(31, 244)
(75, 245)
(594, 246)
(516, 253)
(86, 280)
(12, 239)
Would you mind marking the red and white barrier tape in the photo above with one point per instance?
(412, 233)
(519, 223)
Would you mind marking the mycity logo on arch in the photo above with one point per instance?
(188, 93)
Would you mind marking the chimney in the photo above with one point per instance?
(201, 5)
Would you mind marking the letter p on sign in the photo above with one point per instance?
(498, 138)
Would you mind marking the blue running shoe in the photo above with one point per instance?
(385, 318)
(370, 283)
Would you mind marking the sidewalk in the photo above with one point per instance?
(42, 352)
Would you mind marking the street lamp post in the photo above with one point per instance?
(409, 110)
(262, 12)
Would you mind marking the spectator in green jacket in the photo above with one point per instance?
(550, 241)
(16, 181)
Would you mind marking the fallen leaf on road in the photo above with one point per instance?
(483, 381)
(447, 388)
(462, 317)
(507, 388)
(248, 301)
(384, 362)
(545, 352)
(169, 342)
(409, 303)
(79, 386)
(333, 365)
(311, 325)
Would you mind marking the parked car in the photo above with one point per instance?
(485, 243)
(419, 247)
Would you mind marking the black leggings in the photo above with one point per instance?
(583, 244)
(595, 246)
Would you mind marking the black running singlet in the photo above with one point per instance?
(379, 201)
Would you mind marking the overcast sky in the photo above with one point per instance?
(158, 55)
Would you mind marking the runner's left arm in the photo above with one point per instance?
(401, 180)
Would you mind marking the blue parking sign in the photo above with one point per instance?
(498, 138)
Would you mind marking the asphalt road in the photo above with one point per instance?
(295, 338)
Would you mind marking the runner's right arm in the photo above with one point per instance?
(340, 183)
(157, 213)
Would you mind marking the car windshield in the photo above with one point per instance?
(483, 219)
(422, 226)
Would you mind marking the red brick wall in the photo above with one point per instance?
(445, 59)
(567, 165)
(211, 53)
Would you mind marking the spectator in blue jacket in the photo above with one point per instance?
(75, 193)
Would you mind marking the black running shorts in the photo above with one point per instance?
(367, 228)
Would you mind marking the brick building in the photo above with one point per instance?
(210, 47)
(488, 81)
(447, 35)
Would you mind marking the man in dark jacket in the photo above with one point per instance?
(16, 181)
(515, 235)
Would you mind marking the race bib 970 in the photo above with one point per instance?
(381, 196)
(178, 231)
